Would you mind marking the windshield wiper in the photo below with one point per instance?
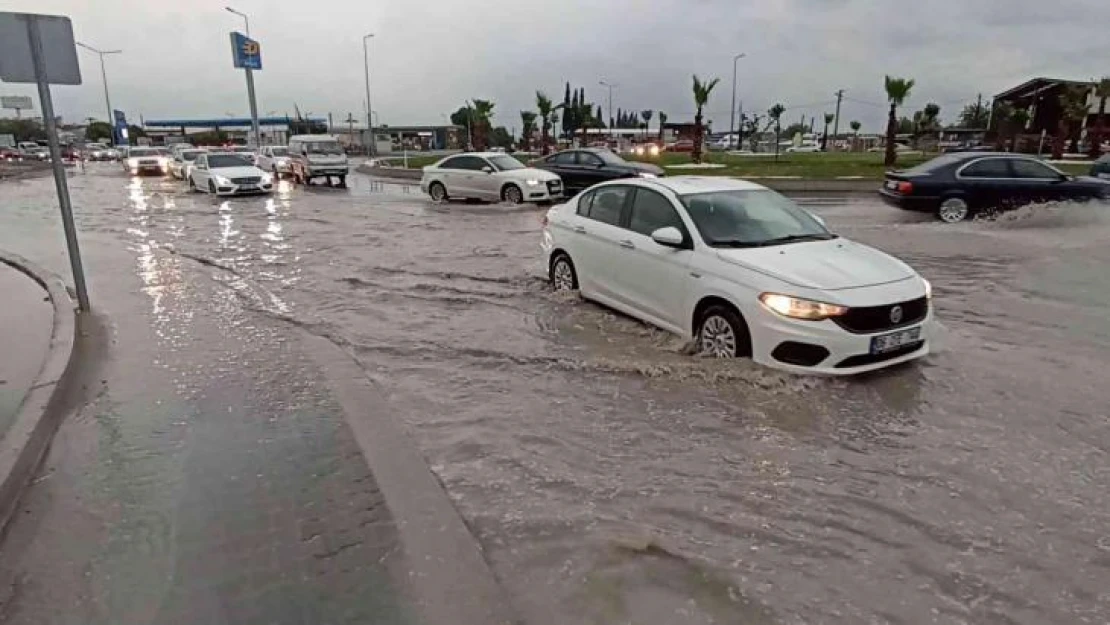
(790, 238)
(735, 243)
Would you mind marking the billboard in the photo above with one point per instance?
(245, 52)
(18, 102)
(58, 49)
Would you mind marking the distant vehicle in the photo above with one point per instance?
(583, 168)
(740, 270)
(317, 156)
(27, 145)
(898, 147)
(957, 186)
(489, 176)
(228, 173)
(274, 159)
(145, 160)
(181, 164)
(101, 152)
(646, 149)
(245, 150)
(725, 143)
(968, 148)
(1101, 168)
(804, 149)
(10, 155)
(682, 145)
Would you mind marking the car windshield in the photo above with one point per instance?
(240, 149)
(754, 218)
(280, 151)
(323, 147)
(227, 160)
(191, 155)
(143, 152)
(937, 163)
(505, 163)
(609, 157)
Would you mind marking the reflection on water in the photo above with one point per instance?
(613, 477)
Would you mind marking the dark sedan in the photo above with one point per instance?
(585, 167)
(956, 186)
(1101, 168)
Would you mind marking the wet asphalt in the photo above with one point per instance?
(609, 476)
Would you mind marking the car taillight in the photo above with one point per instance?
(905, 188)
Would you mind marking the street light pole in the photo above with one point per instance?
(732, 111)
(611, 86)
(255, 130)
(104, 79)
(369, 108)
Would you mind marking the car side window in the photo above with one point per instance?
(608, 204)
(564, 158)
(987, 168)
(458, 162)
(584, 204)
(1028, 169)
(651, 211)
(585, 158)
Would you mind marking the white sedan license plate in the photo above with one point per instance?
(891, 184)
(890, 342)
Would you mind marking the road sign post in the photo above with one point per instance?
(247, 54)
(40, 49)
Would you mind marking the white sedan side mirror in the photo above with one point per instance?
(668, 237)
(820, 219)
(487, 169)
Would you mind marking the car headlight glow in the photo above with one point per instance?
(654, 150)
(928, 289)
(223, 182)
(132, 163)
(532, 182)
(267, 178)
(796, 308)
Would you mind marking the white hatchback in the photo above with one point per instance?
(490, 176)
(742, 271)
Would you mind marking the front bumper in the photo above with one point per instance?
(328, 171)
(848, 353)
(142, 170)
(235, 189)
(545, 191)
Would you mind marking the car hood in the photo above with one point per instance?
(647, 168)
(528, 173)
(826, 265)
(237, 172)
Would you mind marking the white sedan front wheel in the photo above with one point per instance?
(563, 275)
(438, 192)
(723, 334)
(513, 195)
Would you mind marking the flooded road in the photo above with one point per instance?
(613, 478)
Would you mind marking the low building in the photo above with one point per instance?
(1041, 98)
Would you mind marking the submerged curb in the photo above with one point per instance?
(791, 185)
(24, 445)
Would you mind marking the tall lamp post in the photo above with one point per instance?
(104, 78)
(732, 112)
(250, 83)
(373, 147)
(611, 86)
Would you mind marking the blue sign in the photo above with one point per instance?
(119, 128)
(245, 52)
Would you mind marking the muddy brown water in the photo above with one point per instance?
(611, 477)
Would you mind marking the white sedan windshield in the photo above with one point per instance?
(228, 160)
(505, 163)
(751, 219)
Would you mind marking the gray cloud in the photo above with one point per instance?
(429, 56)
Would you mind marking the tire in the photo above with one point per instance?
(512, 194)
(342, 182)
(722, 333)
(953, 210)
(192, 185)
(212, 187)
(562, 274)
(437, 192)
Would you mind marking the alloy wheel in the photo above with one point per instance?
(562, 275)
(437, 192)
(717, 338)
(953, 210)
(514, 195)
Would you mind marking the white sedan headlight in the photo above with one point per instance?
(928, 289)
(132, 163)
(797, 308)
(533, 182)
(267, 178)
(223, 182)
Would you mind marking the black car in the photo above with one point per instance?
(1101, 168)
(956, 186)
(582, 168)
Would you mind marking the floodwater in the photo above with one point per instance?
(611, 477)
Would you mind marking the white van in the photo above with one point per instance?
(317, 156)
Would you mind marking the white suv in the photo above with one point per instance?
(741, 270)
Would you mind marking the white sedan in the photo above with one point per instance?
(226, 173)
(742, 271)
(274, 159)
(489, 176)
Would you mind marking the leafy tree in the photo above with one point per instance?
(774, 115)
(98, 131)
(567, 104)
(905, 126)
(599, 117)
(1102, 92)
(461, 117)
(482, 112)
(975, 116)
(795, 128)
(897, 90)
(855, 126)
(22, 129)
(702, 90)
(750, 125)
(546, 110)
(829, 117)
(527, 127)
(647, 115)
(662, 123)
(500, 137)
(134, 132)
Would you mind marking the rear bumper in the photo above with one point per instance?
(909, 202)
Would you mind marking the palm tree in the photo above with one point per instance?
(774, 116)
(527, 126)
(662, 122)
(482, 113)
(544, 106)
(646, 114)
(855, 126)
(1073, 109)
(829, 117)
(897, 90)
(1102, 92)
(701, 97)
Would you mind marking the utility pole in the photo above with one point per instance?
(732, 111)
(979, 107)
(610, 86)
(350, 128)
(104, 79)
(250, 83)
(836, 120)
(740, 130)
(369, 109)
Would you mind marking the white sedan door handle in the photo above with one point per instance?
(628, 244)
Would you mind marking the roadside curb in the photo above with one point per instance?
(793, 185)
(24, 445)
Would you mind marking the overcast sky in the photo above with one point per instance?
(428, 56)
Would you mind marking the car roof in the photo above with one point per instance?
(685, 185)
(484, 154)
